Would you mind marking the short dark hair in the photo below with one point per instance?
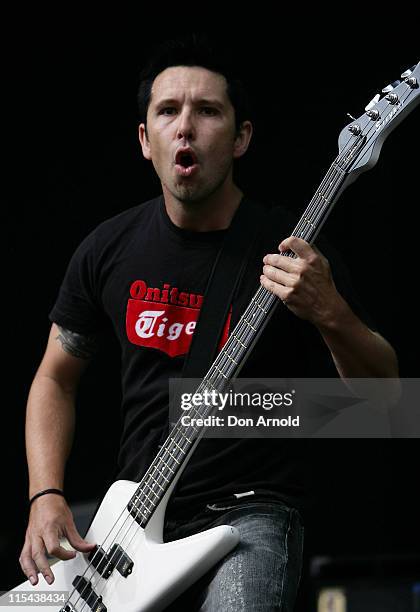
(196, 50)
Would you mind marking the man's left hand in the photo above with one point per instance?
(304, 284)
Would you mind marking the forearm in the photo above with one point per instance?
(357, 351)
(49, 433)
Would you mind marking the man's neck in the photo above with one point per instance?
(213, 213)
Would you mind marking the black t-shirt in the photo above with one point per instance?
(146, 277)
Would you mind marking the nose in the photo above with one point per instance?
(186, 129)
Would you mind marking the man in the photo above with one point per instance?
(145, 271)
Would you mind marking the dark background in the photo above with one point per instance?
(70, 141)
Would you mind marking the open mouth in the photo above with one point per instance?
(186, 162)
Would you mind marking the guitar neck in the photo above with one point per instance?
(241, 341)
(179, 445)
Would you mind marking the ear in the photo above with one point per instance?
(242, 139)
(144, 141)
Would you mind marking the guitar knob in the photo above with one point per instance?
(408, 72)
(391, 86)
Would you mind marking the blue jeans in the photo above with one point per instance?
(262, 573)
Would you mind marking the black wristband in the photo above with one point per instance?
(55, 491)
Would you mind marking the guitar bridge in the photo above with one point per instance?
(86, 592)
(116, 558)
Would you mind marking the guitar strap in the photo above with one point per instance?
(224, 280)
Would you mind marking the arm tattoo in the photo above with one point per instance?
(76, 344)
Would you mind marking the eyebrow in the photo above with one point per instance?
(199, 101)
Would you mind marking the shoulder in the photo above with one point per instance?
(127, 221)
(119, 229)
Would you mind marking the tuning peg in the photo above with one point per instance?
(372, 103)
(408, 72)
(355, 129)
(392, 98)
(391, 86)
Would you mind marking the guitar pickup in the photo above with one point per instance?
(115, 559)
(86, 592)
(121, 561)
(101, 562)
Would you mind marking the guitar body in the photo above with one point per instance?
(160, 571)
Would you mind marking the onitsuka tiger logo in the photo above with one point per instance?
(164, 319)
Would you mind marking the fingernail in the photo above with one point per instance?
(32, 579)
(48, 579)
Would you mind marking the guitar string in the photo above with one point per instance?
(300, 229)
(319, 203)
(319, 208)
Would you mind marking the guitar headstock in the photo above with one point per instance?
(383, 113)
